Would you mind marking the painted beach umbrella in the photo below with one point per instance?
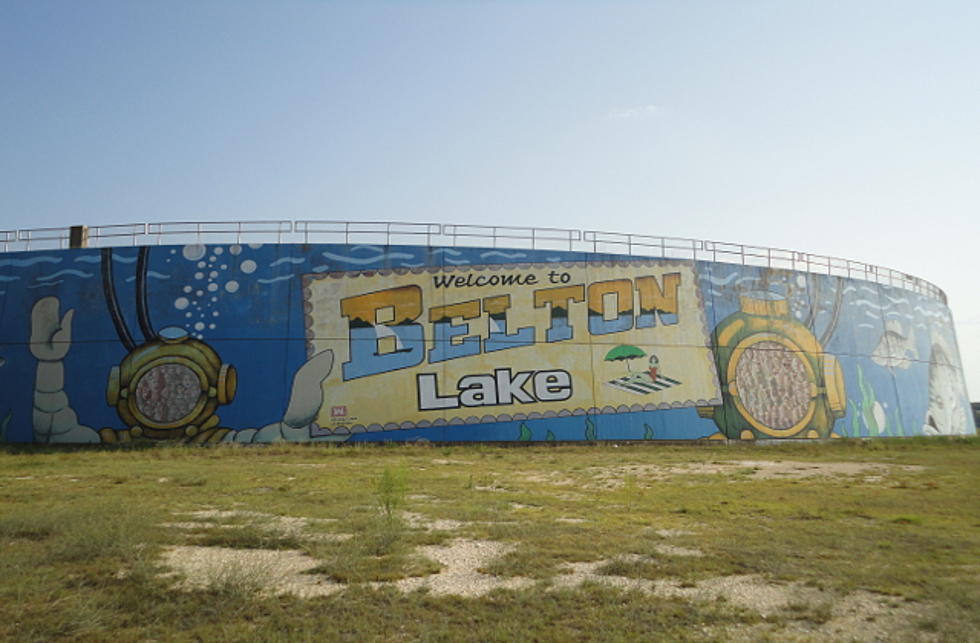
(624, 353)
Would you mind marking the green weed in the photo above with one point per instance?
(391, 492)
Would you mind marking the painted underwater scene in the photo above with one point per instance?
(306, 342)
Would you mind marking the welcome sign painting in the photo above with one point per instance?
(493, 343)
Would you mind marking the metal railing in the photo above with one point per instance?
(464, 235)
(218, 231)
(379, 232)
(514, 236)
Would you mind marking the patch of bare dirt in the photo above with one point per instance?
(790, 611)
(555, 478)
(672, 533)
(288, 526)
(614, 477)
(285, 572)
(574, 574)
(460, 576)
(418, 521)
(858, 616)
(266, 570)
(492, 487)
(673, 550)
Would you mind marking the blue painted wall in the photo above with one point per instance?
(899, 366)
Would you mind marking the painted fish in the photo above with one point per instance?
(896, 349)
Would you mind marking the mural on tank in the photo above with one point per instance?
(264, 343)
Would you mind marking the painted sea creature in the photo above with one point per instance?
(896, 349)
(304, 403)
(54, 418)
(946, 413)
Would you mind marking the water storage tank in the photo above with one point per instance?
(347, 332)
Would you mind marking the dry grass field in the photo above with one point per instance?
(850, 540)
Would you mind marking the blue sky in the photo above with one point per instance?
(842, 128)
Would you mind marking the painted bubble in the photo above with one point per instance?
(198, 275)
(219, 250)
(181, 303)
(235, 249)
(255, 246)
(201, 264)
(213, 274)
(212, 287)
(194, 252)
(232, 286)
(248, 266)
(173, 332)
(187, 289)
(199, 293)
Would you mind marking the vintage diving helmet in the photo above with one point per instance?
(776, 380)
(170, 386)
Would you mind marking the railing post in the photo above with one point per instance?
(78, 236)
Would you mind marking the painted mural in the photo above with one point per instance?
(264, 343)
